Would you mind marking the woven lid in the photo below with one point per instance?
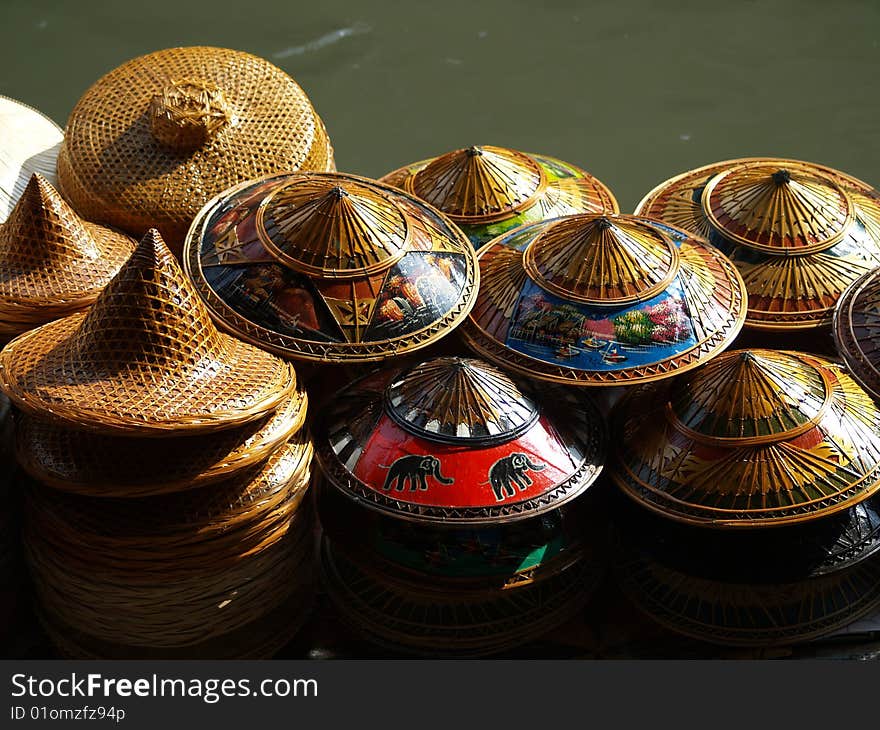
(153, 140)
(52, 261)
(799, 233)
(754, 438)
(455, 440)
(29, 143)
(857, 331)
(488, 190)
(603, 300)
(145, 359)
(78, 461)
(330, 267)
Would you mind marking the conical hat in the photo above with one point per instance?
(145, 359)
(603, 301)
(857, 331)
(489, 190)
(455, 441)
(29, 143)
(330, 267)
(51, 261)
(755, 438)
(798, 232)
(156, 138)
(73, 460)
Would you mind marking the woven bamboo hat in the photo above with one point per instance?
(144, 360)
(87, 463)
(603, 301)
(152, 141)
(798, 232)
(29, 143)
(755, 438)
(489, 190)
(330, 267)
(781, 586)
(856, 329)
(53, 263)
(456, 441)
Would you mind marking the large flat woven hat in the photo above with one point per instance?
(603, 301)
(856, 329)
(755, 438)
(156, 138)
(145, 359)
(29, 143)
(330, 267)
(798, 232)
(489, 190)
(52, 262)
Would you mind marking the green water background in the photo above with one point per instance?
(632, 91)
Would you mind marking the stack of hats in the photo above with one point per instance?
(754, 478)
(490, 190)
(798, 232)
(29, 143)
(166, 514)
(52, 262)
(454, 509)
(155, 139)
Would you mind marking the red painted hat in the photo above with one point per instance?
(455, 440)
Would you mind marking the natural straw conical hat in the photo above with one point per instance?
(157, 137)
(29, 143)
(51, 260)
(145, 359)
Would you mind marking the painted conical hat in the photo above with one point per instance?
(51, 261)
(29, 143)
(799, 233)
(456, 441)
(86, 463)
(331, 267)
(488, 190)
(857, 331)
(754, 438)
(157, 137)
(145, 359)
(603, 300)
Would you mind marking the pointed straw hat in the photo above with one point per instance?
(153, 140)
(52, 262)
(144, 360)
(856, 328)
(29, 143)
(91, 464)
(489, 190)
(799, 233)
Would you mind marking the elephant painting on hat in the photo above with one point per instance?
(415, 469)
(510, 472)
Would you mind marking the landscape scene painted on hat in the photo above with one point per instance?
(578, 336)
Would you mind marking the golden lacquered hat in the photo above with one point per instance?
(156, 138)
(29, 143)
(856, 329)
(755, 438)
(144, 360)
(330, 267)
(178, 569)
(52, 262)
(779, 586)
(603, 301)
(456, 441)
(799, 233)
(87, 463)
(489, 190)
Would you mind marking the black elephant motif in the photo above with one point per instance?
(415, 469)
(510, 472)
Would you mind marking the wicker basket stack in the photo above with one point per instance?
(454, 507)
(166, 512)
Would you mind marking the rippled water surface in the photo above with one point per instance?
(632, 91)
